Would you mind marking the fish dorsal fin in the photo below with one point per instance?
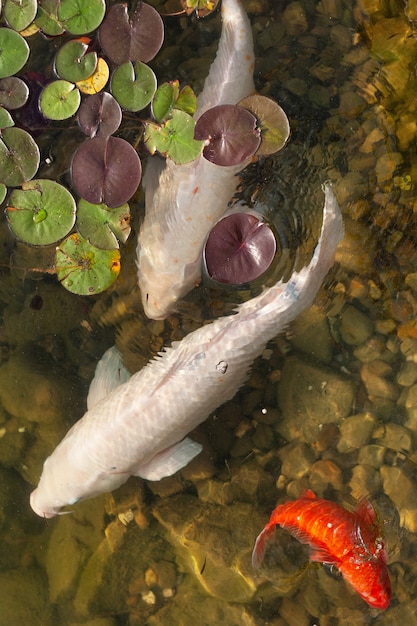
(309, 494)
(365, 513)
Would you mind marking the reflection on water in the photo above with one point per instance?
(331, 405)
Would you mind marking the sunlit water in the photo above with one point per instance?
(331, 405)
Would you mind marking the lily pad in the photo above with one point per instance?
(135, 38)
(41, 213)
(106, 170)
(133, 86)
(59, 100)
(14, 92)
(103, 226)
(168, 96)
(3, 192)
(81, 16)
(84, 269)
(47, 18)
(19, 157)
(6, 119)
(272, 121)
(14, 52)
(98, 79)
(19, 14)
(175, 138)
(99, 115)
(230, 134)
(73, 62)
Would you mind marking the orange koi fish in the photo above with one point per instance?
(350, 541)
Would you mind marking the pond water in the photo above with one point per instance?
(331, 404)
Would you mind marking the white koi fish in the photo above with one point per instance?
(183, 202)
(140, 427)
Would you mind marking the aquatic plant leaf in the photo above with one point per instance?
(47, 18)
(98, 79)
(201, 7)
(230, 134)
(239, 249)
(135, 38)
(106, 170)
(59, 100)
(3, 192)
(187, 100)
(6, 119)
(19, 14)
(84, 269)
(133, 86)
(99, 115)
(103, 226)
(14, 92)
(41, 213)
(81, 16)
(19, 157)
(163, 100)
(175, 138)
(272, 121)
(14, 52)
(73, 62)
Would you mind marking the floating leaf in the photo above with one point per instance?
(81, 16)
(272, 121)
(13, 92)
(239, 249)
(133, 86)
(3, 192)
(99, 115)
(19, 157)
(106, 170)
(230, 134)
(14, 52)
(187, 100)
(138, 38)
(101, 225)
(47, 18)
(73, 63)
(98, 79)
(42, 212)
(201, 7)
(19, 14)
(59, 100)
(84, 269)
(6, 119)
(175, 138)
(163, 100)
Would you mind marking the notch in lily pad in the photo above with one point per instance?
(83, 268)
(133, 86)
(135, 37)
(174, 138)
(272, 120)
(41, 213)
(230, 134)
(106, 170)
(103, 226)
(73, 62)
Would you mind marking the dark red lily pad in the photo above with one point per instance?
(239, 249)
(230, 133)
(106, 170)
(134, 38)
(99, 115)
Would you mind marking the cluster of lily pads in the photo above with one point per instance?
(100, 78)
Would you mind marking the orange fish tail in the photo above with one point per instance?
(261, 543)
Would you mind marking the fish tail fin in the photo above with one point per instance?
(261, 544)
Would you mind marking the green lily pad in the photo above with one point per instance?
(133, 86)
(14, 52)
(19, 157)
(41, 213)
(47, 18)
(84, 269)
(19, 14)
(59, 100)
(72, 63)
(6, 119)
(169, 97)
(81, 16)
(175, 138)
(187, 100)
(14, 92)
(103, 226)
(3, 192)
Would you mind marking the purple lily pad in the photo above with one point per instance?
(239, 248)
(99, 115)
(106, 170)
(135, 38)
(230, 133)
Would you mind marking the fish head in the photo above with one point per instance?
(370, 579)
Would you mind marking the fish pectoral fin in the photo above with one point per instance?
(169, 461)
(320, 554)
